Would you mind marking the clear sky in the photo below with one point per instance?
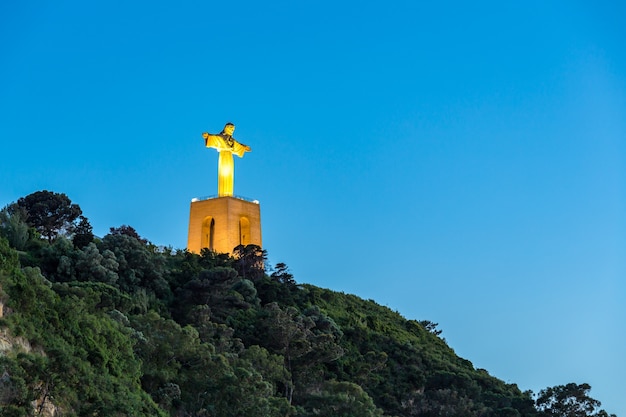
(460, 162)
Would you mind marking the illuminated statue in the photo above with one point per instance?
(226, 145)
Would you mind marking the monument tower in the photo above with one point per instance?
(221, 223)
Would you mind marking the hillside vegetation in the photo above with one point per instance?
(116, 326)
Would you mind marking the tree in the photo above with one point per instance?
(13, 226)
(91, 265)
(431, 327)
(250, 261)
(341, 399)
(88, 369)
(127, 231)
(8, 257)
(50, 213)
(84, 233)
(305, 340)
(139, 266)
(281, 274)
(571, 400)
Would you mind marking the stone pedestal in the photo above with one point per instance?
(223, 223)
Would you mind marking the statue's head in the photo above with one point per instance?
(229, 128)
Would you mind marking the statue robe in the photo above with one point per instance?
(226, 146)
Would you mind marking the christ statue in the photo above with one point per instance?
(226, 145)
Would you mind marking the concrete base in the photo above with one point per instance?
(223, 223)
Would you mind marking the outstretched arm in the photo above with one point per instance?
(212, 141)
(239, 149)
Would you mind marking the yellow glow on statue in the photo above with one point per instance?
(226, 145)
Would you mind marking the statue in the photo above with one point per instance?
(226, 145)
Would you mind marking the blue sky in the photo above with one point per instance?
(461, 163)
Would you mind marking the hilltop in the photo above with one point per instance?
(116, 326)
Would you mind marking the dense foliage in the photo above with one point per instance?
(120, 327)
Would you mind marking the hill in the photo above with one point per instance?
(116, 326)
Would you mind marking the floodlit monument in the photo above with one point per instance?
(221, 223)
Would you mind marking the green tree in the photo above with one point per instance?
(340, 399)
(250, 261)
(83, 234)
(57, 260)
(91, 265)
(140, 265)
(13, 226)
(221, 289)
(269, 365)
(127, 231)
(305, 341)
(570, 400)
(87, 367)
(281, 274)
(431, 327)
(50, 213)
(8, 257)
